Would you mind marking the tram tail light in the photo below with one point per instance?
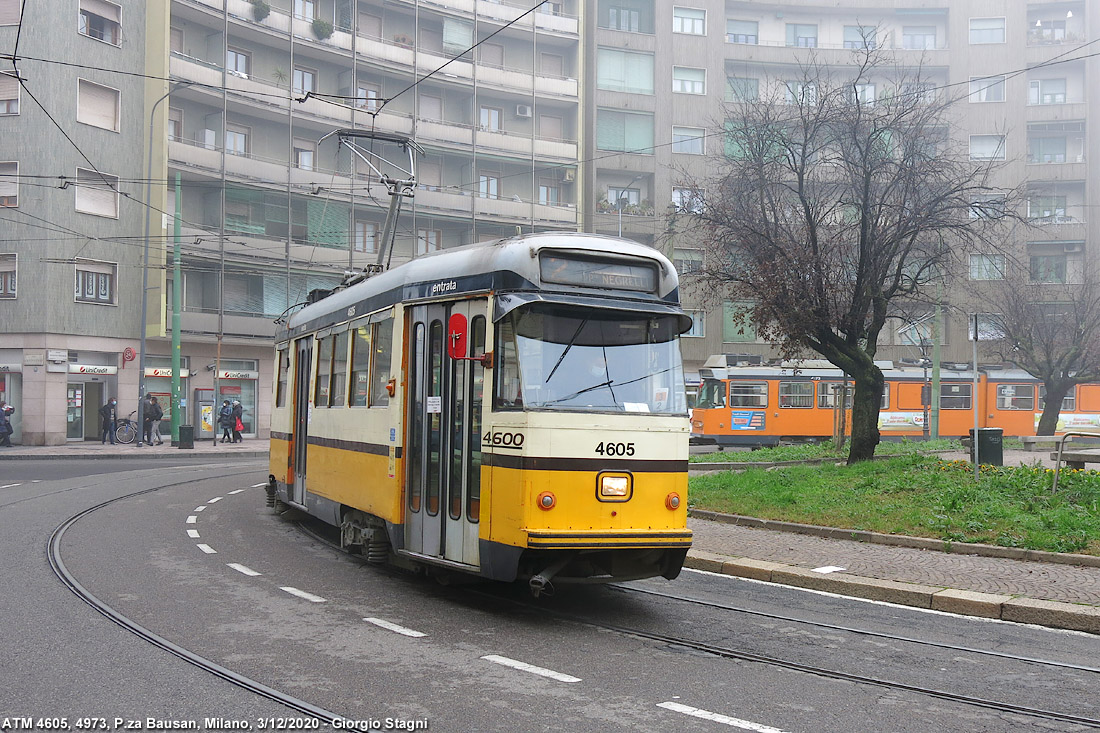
(547, 500)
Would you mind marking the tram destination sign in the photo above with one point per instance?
(592, 272)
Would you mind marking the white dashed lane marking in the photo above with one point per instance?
(200, 508)
(302, 594)
(193, 534)
(394, 627)
(215, 500)
(525, 667)
(240, 490)
(192, 519)
(243, 569)
(718, 718)
(10, 486)
(207, 549)
(254, 486)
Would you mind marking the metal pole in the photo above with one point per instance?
(977, 458)
(936, 356)
(145, 264)
(177, 300)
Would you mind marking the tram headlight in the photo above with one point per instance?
(614, 486)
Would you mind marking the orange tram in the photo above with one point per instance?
(798, 401)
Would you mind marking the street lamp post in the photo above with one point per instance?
(622, 199)
(145, 263)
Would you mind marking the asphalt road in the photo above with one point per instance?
(206, 565)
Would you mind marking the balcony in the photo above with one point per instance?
(399, 51)
(504, 142)
(448, 132)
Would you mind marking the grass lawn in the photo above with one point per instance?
(806, 451)
(919, 495)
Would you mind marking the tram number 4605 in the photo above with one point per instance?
(615, 449)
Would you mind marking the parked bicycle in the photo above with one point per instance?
(126, 428)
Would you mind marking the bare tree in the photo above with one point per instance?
(1049, 320)
(833, 205)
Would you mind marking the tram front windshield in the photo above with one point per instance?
(555, 357)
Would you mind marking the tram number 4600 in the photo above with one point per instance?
(503, 439)
(615, 449)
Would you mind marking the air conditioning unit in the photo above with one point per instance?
(568, 175)
(1073, 247)
(523, 110)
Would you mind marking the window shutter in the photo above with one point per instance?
(9, 181)
(9, 12)
(458, 35)
(97, 105)
(9, 85)
(95, 194)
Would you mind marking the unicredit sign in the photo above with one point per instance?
(91, 369)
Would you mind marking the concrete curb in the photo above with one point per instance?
(896, 540)
(966, 603)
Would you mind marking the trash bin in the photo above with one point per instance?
(187, 437)
(990, 448)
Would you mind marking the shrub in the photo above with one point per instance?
(322, 28)
(260, 9)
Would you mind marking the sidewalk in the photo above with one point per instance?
(1048, 589)
(250, 448)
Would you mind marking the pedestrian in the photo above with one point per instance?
(158, 413)
(151, 415)
(226, 421)
(108, 417)
(6, 411)
(238, 423)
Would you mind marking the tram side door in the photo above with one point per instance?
(302, 371)
(444, 442)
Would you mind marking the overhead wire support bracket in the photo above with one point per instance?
(399, 187)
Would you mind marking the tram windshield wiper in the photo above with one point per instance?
(565, 351)
(578, 393)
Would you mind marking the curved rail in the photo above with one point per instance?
(1061, 445)
(58, 565)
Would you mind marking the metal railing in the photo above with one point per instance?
(1062, 445)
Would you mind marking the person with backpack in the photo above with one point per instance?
(108, 416)
(151, 424)
(6, 411)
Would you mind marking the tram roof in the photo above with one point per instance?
(510, 264)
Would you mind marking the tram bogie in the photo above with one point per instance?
(506, 410)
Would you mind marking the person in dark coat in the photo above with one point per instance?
(151, 415)
(6, 429)
(238, 415)
(226, 421)
(108, 415)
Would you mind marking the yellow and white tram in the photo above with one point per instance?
(512, 409)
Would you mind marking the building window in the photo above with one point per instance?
(1048, 268)
(687, 261)
(742, 31)
(802, 35)
(991, 206)
(1047, 207)
(689, 20)
(621, 18)
(860, 36)
(366, 236)
(1046, 150)
(1046, 91)
(305, 9)
(1047, 30)
(736, 328)
(9, 185)
(990, 326)
(175, 123)
(431, 107)
(368, 97)
(987, 267)
(549, 192)
(304, 153)
(8, 268)
(864, 94)
(458, 36)
(9, 94)
(9, 11)
(987, 30)
(95, 282)
(739, 89)
(489, 54)
(987, 88)
(1015, 396)
(97, 105)
(688, 200)
(918, 37)
(238, 63)
(101, 20)
(489, 119)
(305, 80)
(237, 140)
(798, 92)
(96, 193)
(624, 71)
(919, 92)
(698, 325)
(623, 197)
(489, 186)
(624, 131)
(552, 65)
(686, 80)
(987, 147)
(175, 40)
(689, 140)
(428, 240)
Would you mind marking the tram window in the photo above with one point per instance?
(829, 392)
(360, 365)
(476, 399)
(955, 396)
(748, 394)
(1069, 402)
(435, 419)
(910, 396)
(1089, 398)
(712, 394)
(1015, 396)
(380, 364)
(282, 356)
(796, 394)
(416, 441)
(324, 371)
(339, 381)
(884, 403)
(509, 394)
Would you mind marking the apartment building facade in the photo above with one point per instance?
(271, 207)
(663, 68)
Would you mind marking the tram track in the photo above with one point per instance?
(59, 568)
(729, 653)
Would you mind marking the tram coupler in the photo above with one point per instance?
(271, 486)
(540, 582)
